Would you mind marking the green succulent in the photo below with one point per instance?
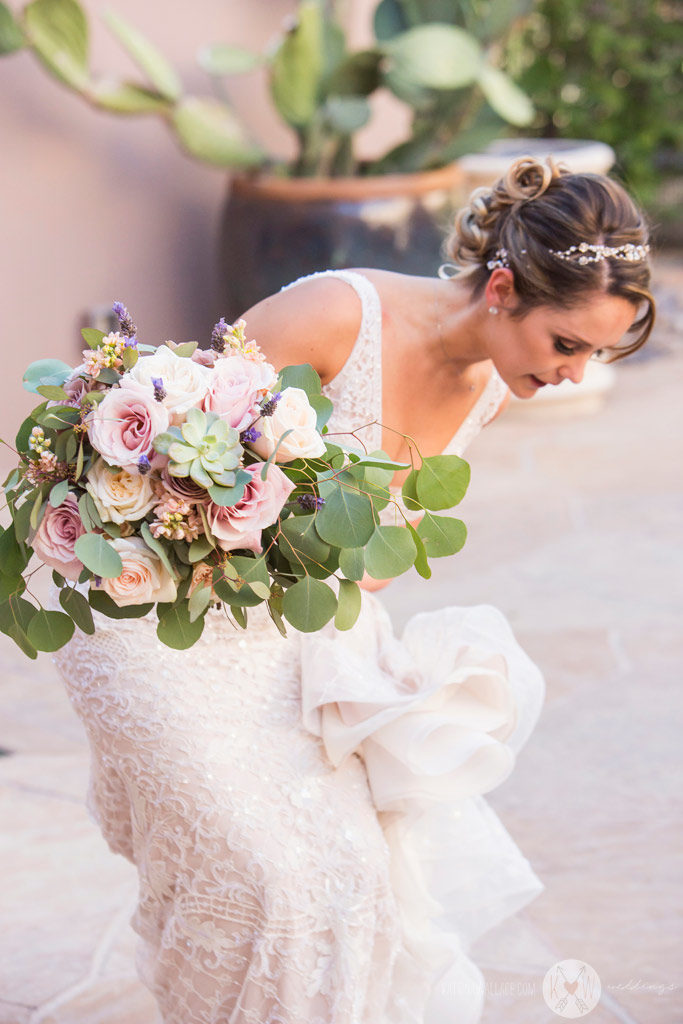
(204, 448)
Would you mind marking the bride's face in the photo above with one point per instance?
(550, 345)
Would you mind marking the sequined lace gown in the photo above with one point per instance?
(296, 838)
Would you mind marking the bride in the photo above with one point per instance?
(306, 814)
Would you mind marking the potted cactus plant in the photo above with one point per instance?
(325, 207)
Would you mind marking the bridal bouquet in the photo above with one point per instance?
(178, 479)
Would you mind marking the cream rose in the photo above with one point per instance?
(119, 497)
(292, 412)
(183, 381)
(144, 579)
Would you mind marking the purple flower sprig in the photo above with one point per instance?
(310, 502)
(159, 389)
(144, 465)
(126, 325)
(268, 408)
(218, 336)
(250, 435)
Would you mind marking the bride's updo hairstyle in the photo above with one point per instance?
(539, 209)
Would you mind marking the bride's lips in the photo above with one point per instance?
(536, 382)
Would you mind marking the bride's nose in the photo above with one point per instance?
(574, 368)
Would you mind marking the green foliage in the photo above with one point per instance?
(98, 555)
(441, 58)
(309, 604)
(390, 551)
(45, 372)
(348, 606)
(610, 72)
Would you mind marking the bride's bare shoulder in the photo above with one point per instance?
(315, 322)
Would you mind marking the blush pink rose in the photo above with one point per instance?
(54, 541)
(240, 526)
(124, 424)
(237, 385)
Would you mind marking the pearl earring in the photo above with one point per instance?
(493, 310)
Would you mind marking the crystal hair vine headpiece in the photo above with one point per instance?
(583, 253)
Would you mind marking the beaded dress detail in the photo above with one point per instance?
(296, 839)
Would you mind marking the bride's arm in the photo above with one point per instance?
(316, 322)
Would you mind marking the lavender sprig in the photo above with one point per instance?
(268, 408)
(218, 336)
(310, 502)
(126, 325)
(159, 389)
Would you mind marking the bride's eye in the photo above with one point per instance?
(563, 347)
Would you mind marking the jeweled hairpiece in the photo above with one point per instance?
(500, 259)
(586, 253)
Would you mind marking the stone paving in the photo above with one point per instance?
(575, 533)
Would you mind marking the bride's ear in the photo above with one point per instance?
(500, 289)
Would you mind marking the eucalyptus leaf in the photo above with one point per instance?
(421, 563)
(200, 548)
(148, 58)
(92, 337)
(346, 519)
(37, 511)
(198, 602)
(352, 563)
(177, 630)
(302, 376)
(102, 602)
(11, 586)
(98, 555)
(49, 630)
(59, 493)
(52, 392)
(249, 570)
(76, 605)
(129, 357)
(349, 604)
(389, 552)
(157, 546)
(45, 371)
(441, 535)
(13, 559)
(442, 481)
(184, 351)
(15, 618)
(323, 409)
(308, 604)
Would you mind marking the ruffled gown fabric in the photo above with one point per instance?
(305, 814)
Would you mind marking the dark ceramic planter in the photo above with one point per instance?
(278, 229)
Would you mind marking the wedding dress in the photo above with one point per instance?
(305, 813)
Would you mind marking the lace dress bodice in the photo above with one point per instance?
(356, 391)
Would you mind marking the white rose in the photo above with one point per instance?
(119, 497)
(184, 380)
(293, 412)
(144, 579)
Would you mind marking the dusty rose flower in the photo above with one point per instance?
(55, 538)
(180, 486)
(124, 424)
(292, 412)
(236, 388)
(144, 578)
(240, 526)
(119, 497)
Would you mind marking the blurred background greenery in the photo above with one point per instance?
(610, 71)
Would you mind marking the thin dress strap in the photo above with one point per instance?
(356, 391)
(483, 410)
